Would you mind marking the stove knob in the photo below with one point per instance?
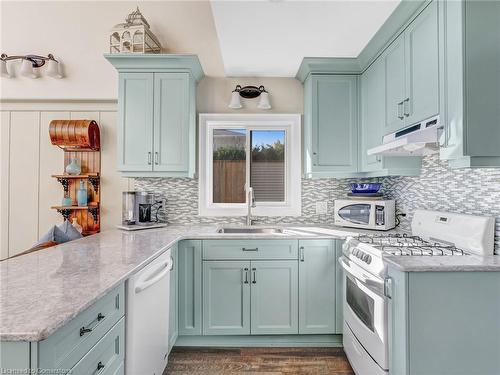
(368, 259)
(355, 252)
(364, 257)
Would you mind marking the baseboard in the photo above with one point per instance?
(262, 341)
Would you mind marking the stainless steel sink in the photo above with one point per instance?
(251, 230)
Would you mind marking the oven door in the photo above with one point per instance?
(365, 311)
(356, 214)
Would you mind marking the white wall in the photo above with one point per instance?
(28, 159)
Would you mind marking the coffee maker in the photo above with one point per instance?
(139, 208)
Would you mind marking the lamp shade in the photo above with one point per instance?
(264, 101)
(27, 69)
(53, 69)
(235, 100)
(5, 71)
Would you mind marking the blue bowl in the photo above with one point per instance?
(369, 188)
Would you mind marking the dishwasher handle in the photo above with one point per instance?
(165, 270)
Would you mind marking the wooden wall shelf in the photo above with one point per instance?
(80, 139)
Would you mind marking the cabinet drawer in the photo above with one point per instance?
(250, 249)
(106, 357)
(69, 344)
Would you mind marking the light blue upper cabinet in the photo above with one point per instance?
(135, 118)
(330, 125)
(470, 82)
(373, 127)
(317, 286)
(394, 78)
(412, 72)
(157, 114)
(422, 66)
(171, 122)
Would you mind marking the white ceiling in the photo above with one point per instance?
(270, 37)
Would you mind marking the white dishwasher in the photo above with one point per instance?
(147, 309)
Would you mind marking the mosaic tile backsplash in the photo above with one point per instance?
(470, 191)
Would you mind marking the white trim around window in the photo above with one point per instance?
(290, 123)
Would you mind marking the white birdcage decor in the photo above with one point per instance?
(133, 36)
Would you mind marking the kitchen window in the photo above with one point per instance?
(258, 151)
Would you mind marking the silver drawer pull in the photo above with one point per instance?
(254, 271)
(253, 249)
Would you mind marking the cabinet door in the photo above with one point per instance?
(171, 122)
(334, 124)
(274, 297)
(317, 281)
(135, 124)
(394, 63)
(190, 307)
(422, 66)
(173, 326)
(226, 297)
(372, 114)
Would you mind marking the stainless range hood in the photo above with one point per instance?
(415, 140)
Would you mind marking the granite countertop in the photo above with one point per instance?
(41, 291)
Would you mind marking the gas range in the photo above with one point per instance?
(434, 234)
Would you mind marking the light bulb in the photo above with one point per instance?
(264, 101)
(27, 69)
(5, 70)
(53, 69)
(235, 100)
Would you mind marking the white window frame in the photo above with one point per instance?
(290, 123)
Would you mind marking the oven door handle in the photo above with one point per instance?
(373, 283)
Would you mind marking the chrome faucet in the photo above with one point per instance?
(250, 205)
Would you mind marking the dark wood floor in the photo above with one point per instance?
(275, 361)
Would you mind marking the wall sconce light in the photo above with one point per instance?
(249, 92)
(30, 65)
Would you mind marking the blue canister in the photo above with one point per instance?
(81, 194)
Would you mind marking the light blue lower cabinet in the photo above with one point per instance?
(274, 297)
(226, 297)
(317, 286)
(173, 326)
(106, 357)
(444, 323)
(190, 287)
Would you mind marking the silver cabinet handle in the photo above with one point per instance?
(245, 270)
(157, 158)
(149, 158)
(252, 249)
(400, 111)
(406, 107)
(301, 250)
(254, 272)
(388, 287)
(378, 158)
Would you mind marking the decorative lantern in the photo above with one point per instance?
(133, 36)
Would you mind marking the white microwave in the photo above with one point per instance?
(365, 214)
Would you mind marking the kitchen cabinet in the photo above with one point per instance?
(157, 114)
(412, 72)
(317, 286)
(92, 341)
(250, 297)
(330, 125)
(470, 83)
(173, 326)
(373, 127)
(274, 300)
(190, 287)
(415, 334)
(226, 297)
